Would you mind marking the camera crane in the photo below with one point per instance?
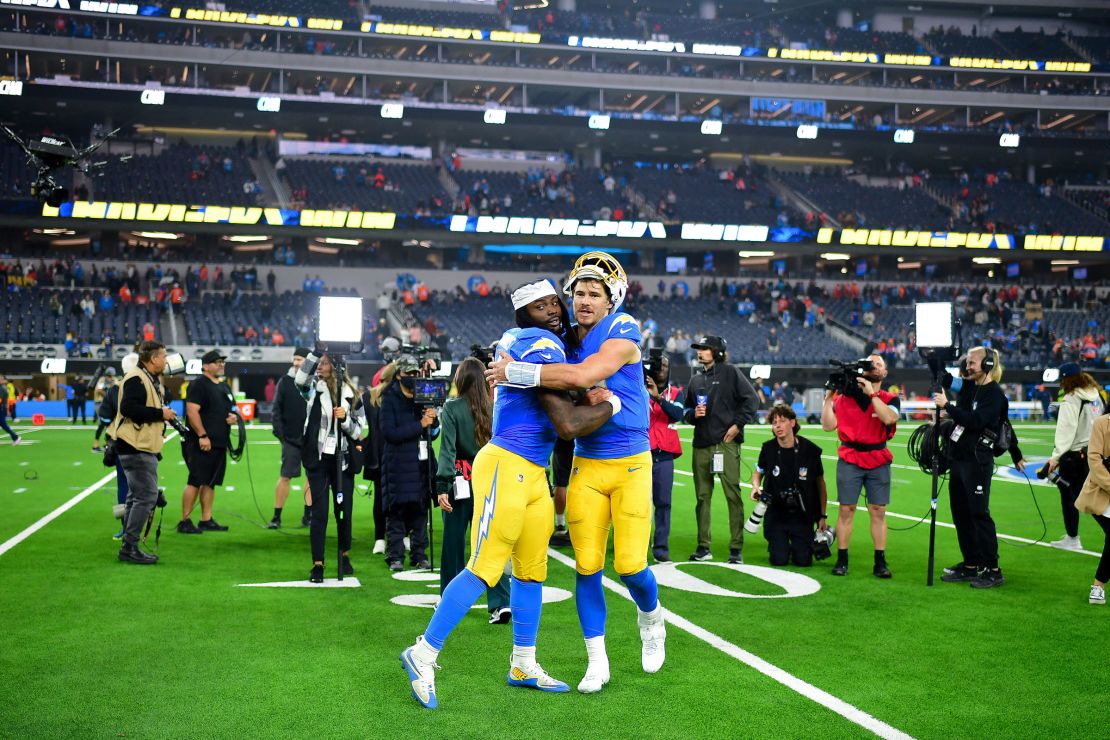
(53, 152)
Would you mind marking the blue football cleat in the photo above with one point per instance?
(535, 677)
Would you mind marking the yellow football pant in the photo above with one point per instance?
(604, 492)
(513, 516)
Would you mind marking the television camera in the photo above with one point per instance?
(49, 153)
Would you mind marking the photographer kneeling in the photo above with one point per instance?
(137, 431)
(333, 422)
(790, 479)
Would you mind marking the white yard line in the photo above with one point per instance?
(844, 709)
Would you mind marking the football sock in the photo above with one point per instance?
(277, 513)
(458, 597)
(526, 601)
(595, 649)
(880, 557)
(524, 656)
(644, 589)
(589, 597)
(842, 557)
(560, 520)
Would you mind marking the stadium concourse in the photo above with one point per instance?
(787, 182)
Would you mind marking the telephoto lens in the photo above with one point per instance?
(752, 525)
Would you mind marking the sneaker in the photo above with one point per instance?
(422, 675)
(597, 675)
(735, 557)
(186, 526)
(306, 520)
(275, 523)
(379, 547)
(988, 578)
(1068, 543)
(661, 558)
(17, 440)
(882, 570)
(840, 569)
(345, 565)
(406, 542)
(96, 449)
(959, 573)
(424, 564)
(210, 525)
(702, 554)
(958, 567)
(1098, 595)
(317, 574)
(396, 566)
(501, 615)
(118, 535)
(560, 537)
(653, 636)
(535, 677)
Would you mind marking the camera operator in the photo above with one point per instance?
(978, 412)
(864, 419)
(408, 429)
(467, 425)
(137, 430)
(208, 408)
(1081, 404)
(790, 479)
(664, 413)
(718, 403)
(333, 424)
(288, 416)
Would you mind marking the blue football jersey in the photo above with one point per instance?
(626, 434)
(520, 424)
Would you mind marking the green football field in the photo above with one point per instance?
(92, 647)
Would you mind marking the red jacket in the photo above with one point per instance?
(662, 431)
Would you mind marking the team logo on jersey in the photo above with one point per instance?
(545, 343)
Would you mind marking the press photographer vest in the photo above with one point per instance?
(858, 427)
(143, 437)
(662, 433)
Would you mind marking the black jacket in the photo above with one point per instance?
(800, 466)
(406, 479)
(372, 471)
(732, 400)
(976, 408)
(289, 411)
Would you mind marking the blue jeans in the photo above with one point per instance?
(662, 481)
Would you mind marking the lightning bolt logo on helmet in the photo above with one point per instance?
(603, 267)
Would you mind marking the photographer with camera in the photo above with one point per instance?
(409, 429)
(865, 418)
(719, 403)
(664, 412)
(1067, 466)
(467, 424)
(137, 430)
(978, 412)
(333, 423)
(288, 417)
(789, 481)
(208, 408)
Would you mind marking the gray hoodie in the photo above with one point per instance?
(1077, 414)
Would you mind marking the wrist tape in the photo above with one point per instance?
(523, 374)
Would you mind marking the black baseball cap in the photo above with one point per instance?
(709, 341)
(212, 355)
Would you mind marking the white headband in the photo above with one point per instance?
(525, 294)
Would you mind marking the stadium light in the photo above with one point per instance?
(494, 116)
(1009, 140)
(599, 122)
(746, 253)
(807, 131)
(835, 256)
(903, 136)
(711, 128)
(393, 110)
(269, 104)
(986, 260)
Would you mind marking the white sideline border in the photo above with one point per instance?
(844, 709)
(15, 540)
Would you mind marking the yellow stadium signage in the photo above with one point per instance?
(824, 55)
(236, 17)
(908, 238)
(1060, 243)
(232, 215)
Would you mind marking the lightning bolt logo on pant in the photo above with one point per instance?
(487, 514)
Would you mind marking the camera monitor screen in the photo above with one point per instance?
(340, 320)
(934, 325)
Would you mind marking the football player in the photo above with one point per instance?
(610, 481)
(513, 512)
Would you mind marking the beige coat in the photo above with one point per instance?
(1095, 496)
(143, 437)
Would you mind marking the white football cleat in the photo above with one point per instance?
(653, 635)
(597, 675)
(422, 674)
(534, 677)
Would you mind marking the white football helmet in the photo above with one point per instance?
(603, 267)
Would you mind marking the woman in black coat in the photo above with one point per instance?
(408, 468)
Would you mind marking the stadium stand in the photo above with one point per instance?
(181, 173)
(365, 185)
(855, 204)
